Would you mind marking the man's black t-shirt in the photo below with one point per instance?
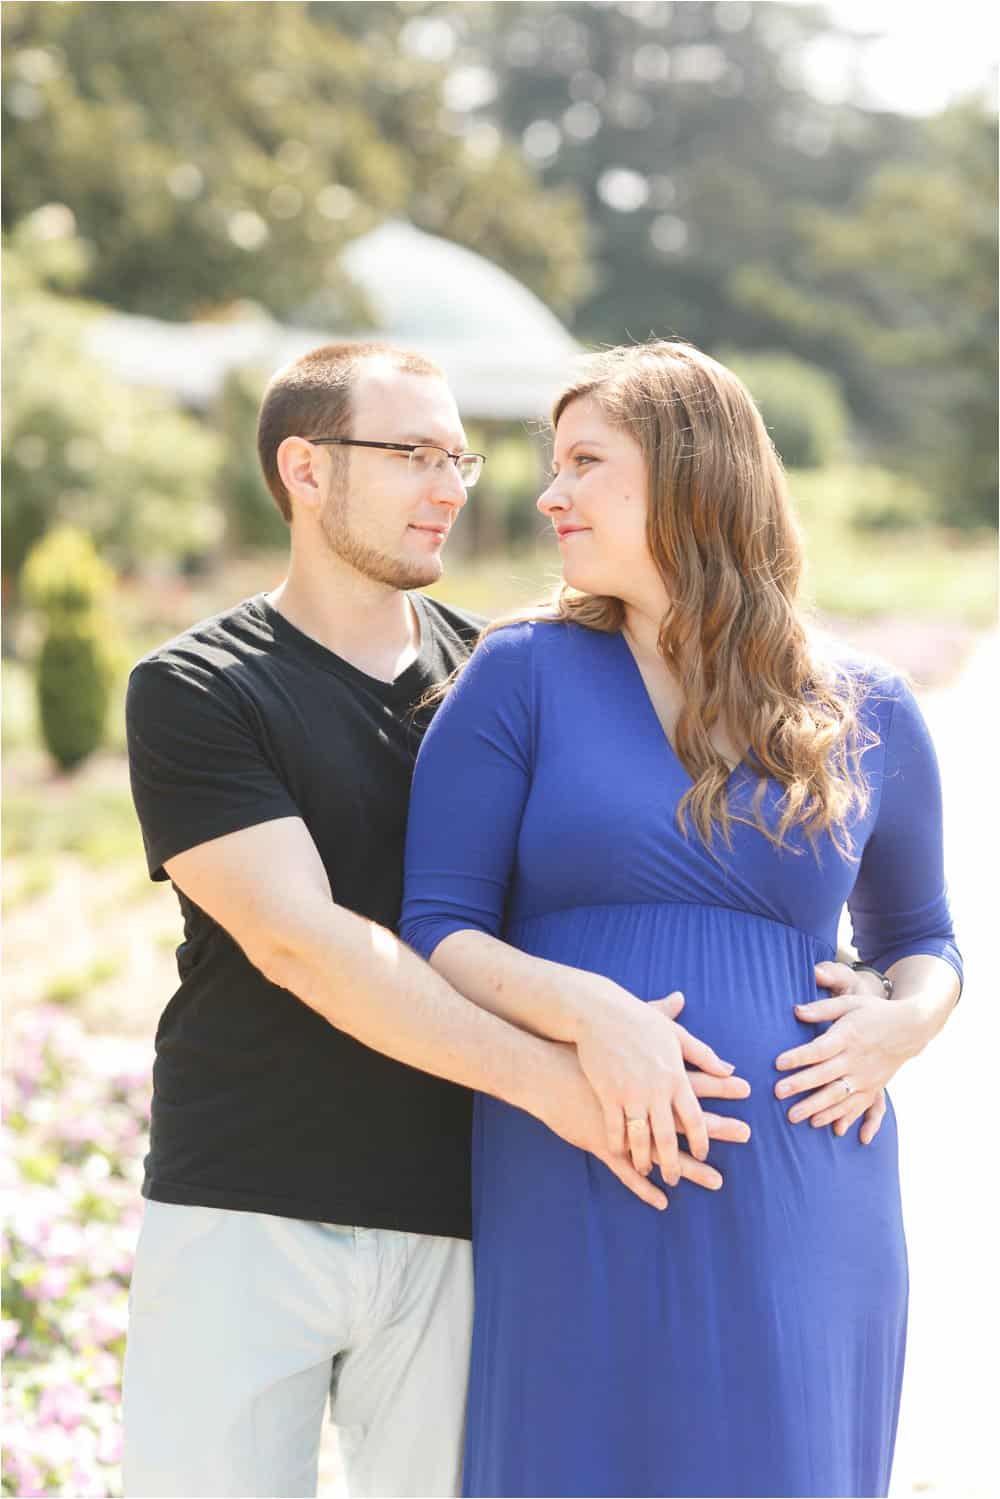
(258, 1103)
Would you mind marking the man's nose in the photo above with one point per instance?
(448, 487)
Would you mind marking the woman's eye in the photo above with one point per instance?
(583, 458)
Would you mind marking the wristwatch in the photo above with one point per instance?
(883, 978)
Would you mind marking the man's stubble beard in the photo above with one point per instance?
(394, 572)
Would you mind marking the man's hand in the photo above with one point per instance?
(571, 1110)
(830, 1103)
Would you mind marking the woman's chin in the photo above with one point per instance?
(585, 579)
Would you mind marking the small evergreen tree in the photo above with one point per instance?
(66, 580)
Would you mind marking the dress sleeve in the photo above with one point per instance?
(469, 789)
(899, 904)
(197, 768)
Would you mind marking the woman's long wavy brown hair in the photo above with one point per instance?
(723, 535)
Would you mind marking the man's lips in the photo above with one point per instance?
(441, 531)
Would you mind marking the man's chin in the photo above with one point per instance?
(411, 572)
(422, 571)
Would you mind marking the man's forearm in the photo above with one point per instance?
(366, 982)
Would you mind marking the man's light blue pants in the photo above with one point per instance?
(243, 1325)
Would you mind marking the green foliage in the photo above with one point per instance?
(514, 474)
(907, 281)
(253, 520)
(686, 132)
(81, 447)
(215, 152)
(73, 687)
(802, 406)
(862, 497)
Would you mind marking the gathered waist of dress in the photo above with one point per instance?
(740, 973)
(643, 913)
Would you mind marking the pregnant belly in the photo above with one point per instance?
(741, 976)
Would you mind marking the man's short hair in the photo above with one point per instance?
(312, 397)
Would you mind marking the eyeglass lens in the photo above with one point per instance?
(435, 460)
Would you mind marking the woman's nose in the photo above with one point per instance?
(551, 499)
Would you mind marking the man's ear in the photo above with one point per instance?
(299, 465)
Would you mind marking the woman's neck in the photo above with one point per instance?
(642, 628)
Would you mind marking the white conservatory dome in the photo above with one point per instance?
(504, 353)
(429, 289)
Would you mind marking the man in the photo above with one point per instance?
(306, 1230)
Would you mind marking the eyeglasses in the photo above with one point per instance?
(424, 458)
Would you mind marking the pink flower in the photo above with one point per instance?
(53, 1285)
(9, 1330)
(62, 1405)
(26, 1473)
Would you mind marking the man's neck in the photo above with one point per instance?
(373, 626)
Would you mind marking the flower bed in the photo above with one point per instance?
(76, 1108)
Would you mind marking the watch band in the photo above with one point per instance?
(884, 979)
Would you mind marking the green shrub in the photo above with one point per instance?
(73, 687)
(801, 404)
(64, 578)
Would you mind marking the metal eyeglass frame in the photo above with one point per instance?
(407, 447)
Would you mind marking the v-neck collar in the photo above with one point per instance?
(401, 688)
(647, 705)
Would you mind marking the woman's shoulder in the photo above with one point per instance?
(526, 638)
(867, 675)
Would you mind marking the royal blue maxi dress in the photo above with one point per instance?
(747, 1341)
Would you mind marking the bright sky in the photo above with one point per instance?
(922, 55)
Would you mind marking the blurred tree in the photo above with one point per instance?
(80, 446)
(801, 404)
(688, 131)
(252, 518)
(908, 278)
(225, 151)
(730, 205)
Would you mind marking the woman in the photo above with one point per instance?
(663, 783)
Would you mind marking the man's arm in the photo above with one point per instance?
(267, 887)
